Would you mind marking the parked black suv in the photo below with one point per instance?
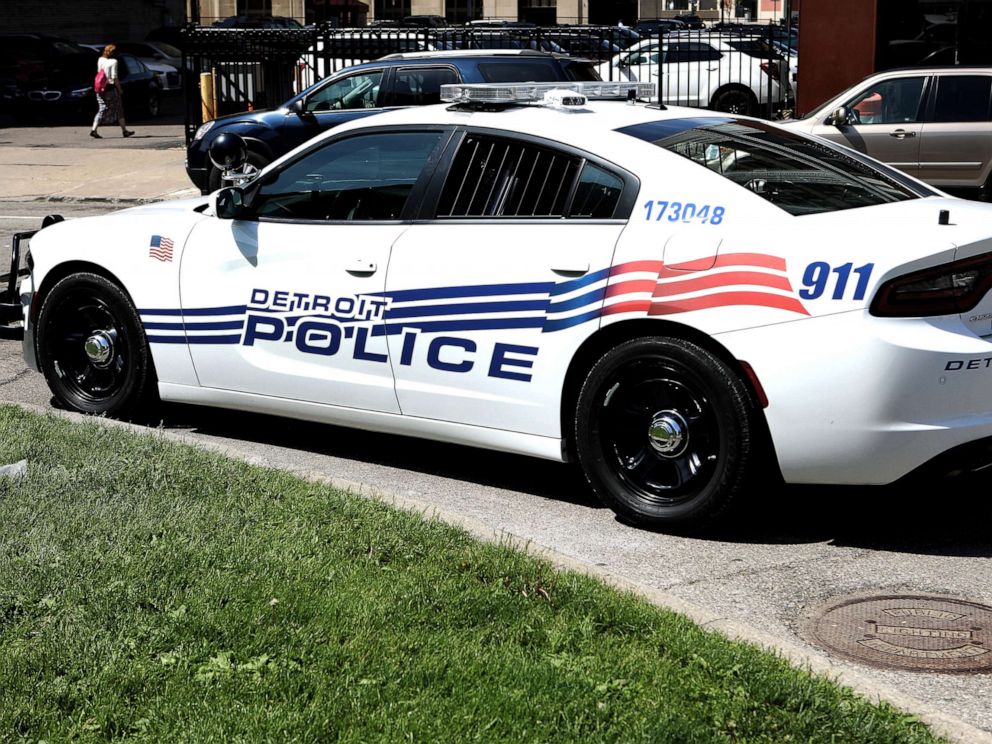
(412, 79)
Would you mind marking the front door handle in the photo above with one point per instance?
(361, 267)
(576, 270)
(902, 134)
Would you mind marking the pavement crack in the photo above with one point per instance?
(17, 376)
(787, 566)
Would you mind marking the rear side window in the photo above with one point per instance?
(495, 177)
(795, 173)
(690, 52)
(518, 71)
(962, 98)
(581, 71)
(421, 86)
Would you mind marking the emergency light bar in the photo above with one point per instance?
(558, 94)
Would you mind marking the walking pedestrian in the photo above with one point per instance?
(108, 93)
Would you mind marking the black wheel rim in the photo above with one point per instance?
(736, 103)
(658, 431)
(88, 347)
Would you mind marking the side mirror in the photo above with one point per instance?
(229, 204)
(299, 107)
(840, 117)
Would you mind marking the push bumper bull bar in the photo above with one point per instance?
(11, 311)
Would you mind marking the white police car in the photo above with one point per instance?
(686, 303)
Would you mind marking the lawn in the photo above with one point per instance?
(154, 591)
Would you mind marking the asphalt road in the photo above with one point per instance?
(788, 553)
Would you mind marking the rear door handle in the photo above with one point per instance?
(361, 267)
(577, 270)
(902, 134)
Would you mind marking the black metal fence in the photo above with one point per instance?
(748, 70)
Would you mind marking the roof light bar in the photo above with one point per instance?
(502, 93)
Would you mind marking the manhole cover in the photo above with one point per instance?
(916, 633)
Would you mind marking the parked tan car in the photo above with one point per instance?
(934, 123)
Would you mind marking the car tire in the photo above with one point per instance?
(256, 162)
(153, 104)
(735, 100)
(664, 432)
(92, 348)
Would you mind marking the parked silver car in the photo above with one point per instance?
(934, 123)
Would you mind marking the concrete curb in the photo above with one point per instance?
(940, 723)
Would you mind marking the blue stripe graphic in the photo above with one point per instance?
(226, 325)
(194, 339)
(582, 281)
(588, 298)
(481, 324)
(478, 290)
(466, 308)
(550, 326)
(230, 310)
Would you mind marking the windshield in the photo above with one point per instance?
(794, 172)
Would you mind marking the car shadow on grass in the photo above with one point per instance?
(949, 518)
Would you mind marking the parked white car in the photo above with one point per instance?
(706, 70)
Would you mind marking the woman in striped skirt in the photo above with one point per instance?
(109, 101)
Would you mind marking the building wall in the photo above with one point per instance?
(838, 65)
(92, 21)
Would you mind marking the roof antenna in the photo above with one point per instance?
(944, 218)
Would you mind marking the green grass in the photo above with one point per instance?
(154, 591)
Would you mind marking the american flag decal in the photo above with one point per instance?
(161, 248)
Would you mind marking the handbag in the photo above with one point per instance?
(100, 82)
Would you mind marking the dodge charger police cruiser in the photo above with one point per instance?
(684, 303)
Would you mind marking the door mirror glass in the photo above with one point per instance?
(840, 117)
(230, 204)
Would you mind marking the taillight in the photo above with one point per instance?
(948, 289)
(770, 69)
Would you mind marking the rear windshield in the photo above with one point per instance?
(794, 172)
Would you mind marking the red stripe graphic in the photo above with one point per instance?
(724, 299)
(761, 260)
(634, 285)
(626, 268)
(713, 281)
(634, 306)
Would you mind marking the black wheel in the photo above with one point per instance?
(663, 431)
(92, 349)
(735, 101)
(254, 164)
(153, 103)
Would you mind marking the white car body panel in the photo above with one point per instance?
(852, 398)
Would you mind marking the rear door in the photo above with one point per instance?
(887, 120)
(956, 138)
(494, 290)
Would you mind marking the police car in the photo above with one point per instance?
(685, 303)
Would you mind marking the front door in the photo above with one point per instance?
(886, 122)
(289, 304)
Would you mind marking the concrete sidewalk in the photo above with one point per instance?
(66, 164)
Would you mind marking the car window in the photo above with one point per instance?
(690, 52)
(642, 57)
(798, 174)
(895, 101)
(359, 91)
(367, 177)
(962, 98)
(168, 49)
(597, 193)
(517, 71)
(497, 177)
(419, 86)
